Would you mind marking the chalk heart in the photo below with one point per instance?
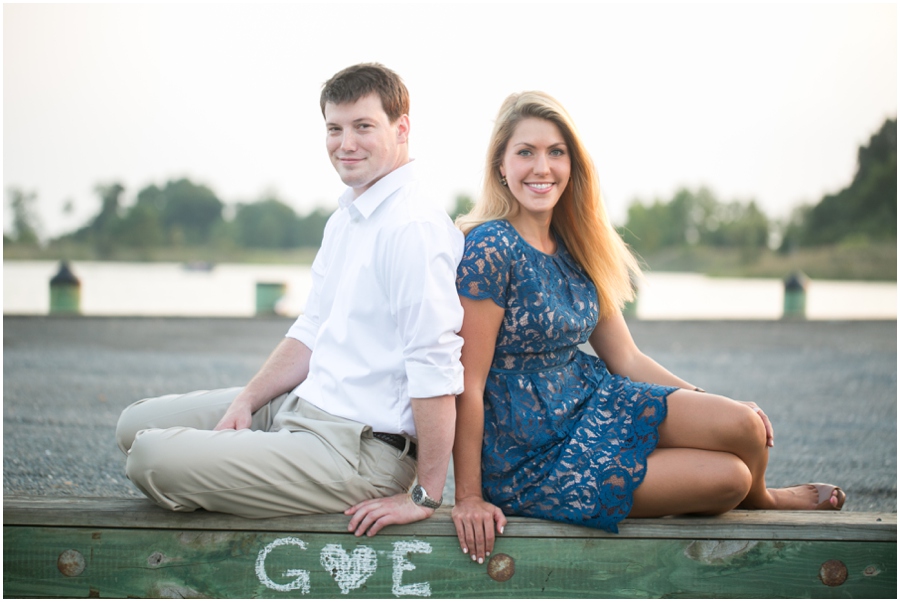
(349, 570)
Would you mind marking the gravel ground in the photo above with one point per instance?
(830, 389)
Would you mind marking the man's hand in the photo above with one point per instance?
(475, 520)
(286, 368)
(238, 416)
(370, 516)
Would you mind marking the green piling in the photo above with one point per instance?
(795, 296)
(267, 296)
(65, 291)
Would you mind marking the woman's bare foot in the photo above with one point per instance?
(812, 496)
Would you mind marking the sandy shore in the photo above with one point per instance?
(830, 389)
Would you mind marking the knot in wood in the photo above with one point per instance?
(501, 567)
(871, 570)
(833, 573)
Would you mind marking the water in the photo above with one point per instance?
(229, 290)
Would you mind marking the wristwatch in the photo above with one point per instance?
(420, 498)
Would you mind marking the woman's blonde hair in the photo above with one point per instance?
(579, 218)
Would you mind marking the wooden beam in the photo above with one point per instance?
(738, 524)
(129, 548)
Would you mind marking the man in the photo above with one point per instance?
(363, 384)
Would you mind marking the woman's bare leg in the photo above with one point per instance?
(690, 481)
(715, 423)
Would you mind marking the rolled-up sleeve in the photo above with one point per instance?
(303, 330)
(421, 263)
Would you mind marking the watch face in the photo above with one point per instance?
(420, 498)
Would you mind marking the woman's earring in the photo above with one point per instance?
(503, 180)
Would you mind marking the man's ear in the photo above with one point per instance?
(402, 125)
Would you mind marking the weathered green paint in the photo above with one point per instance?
(121, 562)
(130, 547)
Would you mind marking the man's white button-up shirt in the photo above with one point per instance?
(383, 315)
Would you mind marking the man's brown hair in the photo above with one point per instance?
(353, 83)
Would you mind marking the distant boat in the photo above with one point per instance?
(198, 266)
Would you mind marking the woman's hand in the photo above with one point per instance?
(475, 520)
(770, 432)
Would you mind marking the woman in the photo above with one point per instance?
(546, 430)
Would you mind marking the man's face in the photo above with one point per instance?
(362, 143)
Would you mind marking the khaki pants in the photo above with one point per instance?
(294, 459)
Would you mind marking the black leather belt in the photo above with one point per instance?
(398, 441)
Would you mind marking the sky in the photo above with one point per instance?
(768, 102)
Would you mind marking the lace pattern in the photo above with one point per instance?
(564, 439)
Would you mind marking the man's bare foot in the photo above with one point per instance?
(812, 496)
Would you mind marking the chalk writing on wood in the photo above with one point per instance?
(302, 577)
(350, 571)
(401, 564)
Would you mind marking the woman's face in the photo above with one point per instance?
(536, 165)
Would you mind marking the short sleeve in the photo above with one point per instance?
(484, 272)
(416, 262)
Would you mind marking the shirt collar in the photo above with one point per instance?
(366, 203)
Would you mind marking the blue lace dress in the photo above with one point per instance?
(564, 439)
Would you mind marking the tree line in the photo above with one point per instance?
(864, 211)
(182, 213)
